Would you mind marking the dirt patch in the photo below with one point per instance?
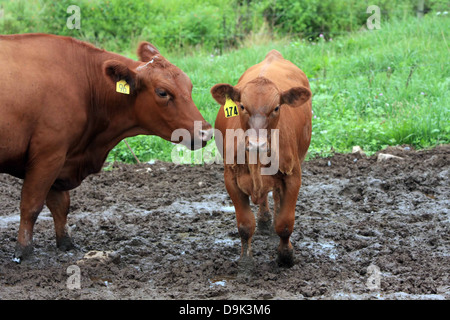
(171, 233)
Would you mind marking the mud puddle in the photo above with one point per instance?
(170, 233)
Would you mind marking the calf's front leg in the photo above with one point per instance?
(245, 220)
(285, 218)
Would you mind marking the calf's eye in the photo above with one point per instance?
(242, 107)
(276, 109)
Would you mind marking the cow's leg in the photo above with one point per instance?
(285, 217)
(264, 218)
(38, 179)
(30, 207)
(58, 202)
(245, 220)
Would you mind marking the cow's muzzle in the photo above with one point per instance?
(205, 135)
(201, 136)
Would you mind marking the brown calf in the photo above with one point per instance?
(272, 95)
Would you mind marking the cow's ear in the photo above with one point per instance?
(117, 71)
(146, 51)
(295, 97)
(220, 92)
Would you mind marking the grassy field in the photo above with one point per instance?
(371, 88)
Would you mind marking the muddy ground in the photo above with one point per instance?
(171, 234)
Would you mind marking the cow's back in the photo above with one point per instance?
(280, 71)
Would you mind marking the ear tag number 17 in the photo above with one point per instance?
(230, 109)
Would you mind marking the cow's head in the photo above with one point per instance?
(162, 96)
(260, 103)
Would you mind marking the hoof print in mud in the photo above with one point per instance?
(246, 269)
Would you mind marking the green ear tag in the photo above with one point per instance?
(123, 87)
(230, 109)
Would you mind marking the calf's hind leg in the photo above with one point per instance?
(264, 218)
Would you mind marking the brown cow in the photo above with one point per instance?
(272, 95)
(64, 104)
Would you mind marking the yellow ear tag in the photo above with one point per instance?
(123, 87)
(230, 108)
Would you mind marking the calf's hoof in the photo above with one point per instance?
(285, 257)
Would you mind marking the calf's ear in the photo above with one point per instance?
(146, 51)
(295, 97)
(220, 92)
(116, 71)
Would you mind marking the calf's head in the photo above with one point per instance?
(162, 96)
(260, 104)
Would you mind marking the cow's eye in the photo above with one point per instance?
(161, 93)
(277, 108)
(242, 107)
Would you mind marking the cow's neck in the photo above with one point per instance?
(111, 116)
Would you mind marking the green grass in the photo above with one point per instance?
(370, 88)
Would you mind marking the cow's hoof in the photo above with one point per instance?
(22, 252)
(65, 244)
(285, 257)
